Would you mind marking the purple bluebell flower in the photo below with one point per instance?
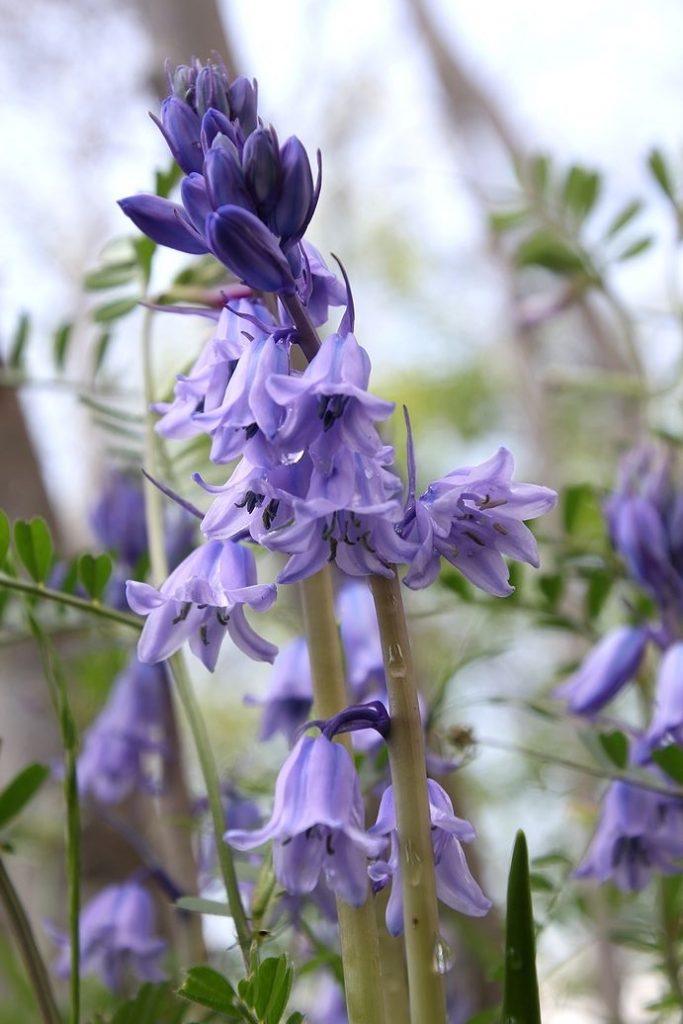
(127, 736)
(246, 199)
(329, 405)
(608, 667)
(472, 517)
(117, 937)
(329, 1006)
(202, 390)
(644, 516)
(455, 885)
(238, 812)
(318, 287)
(317, 823)
(667, 720)
(360, 638)
(290, 694)
(200, 601)
(639, 832)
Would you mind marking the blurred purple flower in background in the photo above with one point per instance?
(126, 740)
(607, 668)
(117, 937)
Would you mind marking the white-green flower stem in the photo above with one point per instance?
(409, 779)
(357, 925)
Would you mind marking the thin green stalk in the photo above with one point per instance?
(409, 779)
(208, 767)
(23, 934)
(67, 726)
(357, 925)
(70, 600)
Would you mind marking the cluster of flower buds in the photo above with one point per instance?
(640, 831)
(245, 198)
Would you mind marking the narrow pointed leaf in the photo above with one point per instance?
(21, 790)
(5, 536)
(520, 987)
(61, 342)
(18, 344)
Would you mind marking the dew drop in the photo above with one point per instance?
(292, 458)
(413, 864)
(443, 956)
(397, 666)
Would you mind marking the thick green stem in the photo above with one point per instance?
(357, 925)
(91, 607)
(409, 779)
(23, 934)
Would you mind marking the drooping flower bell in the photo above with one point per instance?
(640, 831)
(607, 668)
(117, 937)
(455, 885)
(126, 738)
(317, 823)
(473, 517)
(201, 601)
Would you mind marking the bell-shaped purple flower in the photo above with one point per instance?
(290, 694)
(667, 721)
(202, 390)
(610, 665)
(318, 287)
(473, 517)
(117, 937)
(164, 222)
(640, 832)
(201, 601)
(455, 885)
(360, 638)
(180, 125)
(241, 241)
(121, 745)
(317, 823)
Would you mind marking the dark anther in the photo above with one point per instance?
(330, 408)
(270, 512)
(333, 549)
(473, 536)
(223, 616)
(328, 845)
(199, 406)
(251, 500)
(251, 430)
(183, 613)
(204, 635)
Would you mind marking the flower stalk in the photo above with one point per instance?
(409, 778)
(357, 925)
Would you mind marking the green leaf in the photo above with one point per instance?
(34, 547)
(598, 590)
(94, 573)
(199, 905)
(458, 584)
(109, 311)
(581, 190)
(615, 745)
(152, 1004)
(670, 759)
(272, 985)
(207, 987)
(5, 536)
(60, 344)
(505, 220)
(635, 249)
(520, 987)
(15, 357)
(551, 586)
(661, 173)
(629, 212)
(295, 1018)
(548, 250)
(21, 790)
(110, 276)
(538, 170)
(581, 514)
(101, 347)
